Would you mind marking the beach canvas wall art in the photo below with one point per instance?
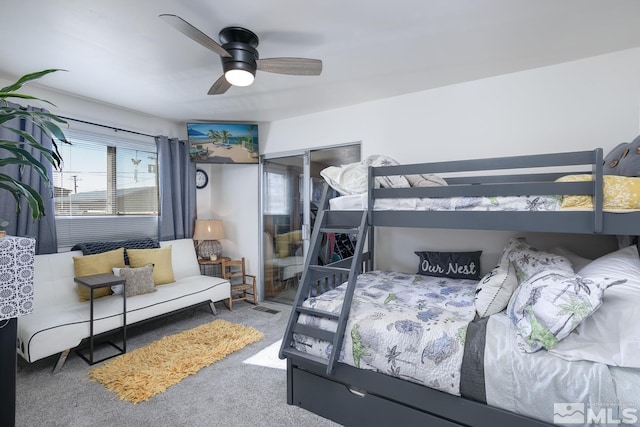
(211, 142)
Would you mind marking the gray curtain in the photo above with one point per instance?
(176, 181)
(21, 224)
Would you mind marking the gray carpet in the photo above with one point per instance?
(227, 393)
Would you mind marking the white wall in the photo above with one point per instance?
(587, 103)
(233, 196)
(572, 106)
(105, 114)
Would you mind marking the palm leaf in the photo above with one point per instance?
(46, 122)
(5, 95)
(22, 154)
(48, 153)
(27, 78)
(18, 190)
(11, 190)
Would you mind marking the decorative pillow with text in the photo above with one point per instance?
(455, 265)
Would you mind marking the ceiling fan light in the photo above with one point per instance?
(239, 77)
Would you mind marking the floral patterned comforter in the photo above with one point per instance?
(409, 326)
(501, 203)
(462, 203)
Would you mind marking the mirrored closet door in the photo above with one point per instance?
(285, 236)
(291, 191)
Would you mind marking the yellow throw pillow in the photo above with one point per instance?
(282, 245)
(161, 260)
(88, 265)
(285, 241)
(621, 193)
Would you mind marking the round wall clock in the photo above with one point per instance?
(202, 179)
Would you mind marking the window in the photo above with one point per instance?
(107, 189)
(277, 193)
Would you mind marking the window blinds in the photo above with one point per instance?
(107, 189)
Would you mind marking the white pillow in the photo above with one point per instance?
(346, 179)
(495, 289)
(611, 335)
(390, 181)
(116, 289)
(577, 262)
(353, 178)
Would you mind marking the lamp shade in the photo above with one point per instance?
(208, 229)
(208, 232)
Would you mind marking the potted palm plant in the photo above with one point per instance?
(13, 153)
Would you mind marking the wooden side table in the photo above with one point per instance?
(102, 281)
(212, 268)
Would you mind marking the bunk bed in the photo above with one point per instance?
(325, 384)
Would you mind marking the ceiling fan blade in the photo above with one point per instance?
(194, 34)
(293, 66)
(220, 86)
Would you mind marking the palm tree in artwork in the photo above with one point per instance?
(225, 135)
(252, 130)
(213, 135)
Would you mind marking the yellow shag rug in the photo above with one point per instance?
(141, 374)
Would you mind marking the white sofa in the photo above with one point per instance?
(60, 322)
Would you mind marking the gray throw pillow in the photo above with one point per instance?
(612, 159)
(629, 163)
(138, 280)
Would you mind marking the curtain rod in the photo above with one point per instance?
(108, 127)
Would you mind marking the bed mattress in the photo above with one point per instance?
(537, 384)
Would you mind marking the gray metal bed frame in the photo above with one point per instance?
(352, 396)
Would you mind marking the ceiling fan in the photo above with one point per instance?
(240, 60)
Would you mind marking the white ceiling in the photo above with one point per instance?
(119, 52)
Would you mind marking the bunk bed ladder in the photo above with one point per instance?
(313, 275)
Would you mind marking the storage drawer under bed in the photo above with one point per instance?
(343, 405)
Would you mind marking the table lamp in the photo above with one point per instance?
(207, 232)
